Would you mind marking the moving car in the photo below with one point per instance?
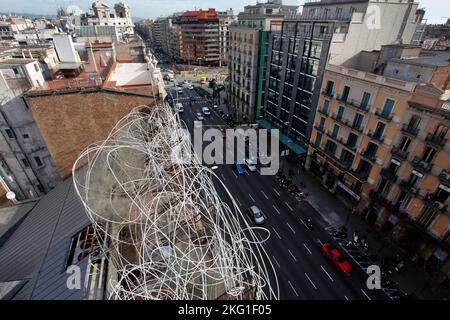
(239, 168)
(206, 111)
(180, 90)
(199, 116)
(256, 215)
(335, 256)
(250, 165)
(179, 107)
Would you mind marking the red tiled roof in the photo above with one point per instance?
(201, 14)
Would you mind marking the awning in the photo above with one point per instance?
(283, 138)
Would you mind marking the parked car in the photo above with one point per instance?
(206, 111)
(199, 116)
(239, 168)
(250, 165)
(256, 215)
(335, 256)
(180, 90)
(179, 108)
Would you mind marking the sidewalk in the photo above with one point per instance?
(411, 280)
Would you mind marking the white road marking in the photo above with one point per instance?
(345, 297)
(276, 233)
(293, 289)
(290, 227)
(276, 209)
(276, 262)
(292, 255)
(320, 242)
(234, 174)
(303, 223)
(223, 177)
(287, 204)
(307, 249)
(278, 194)
(327, 273)
(365, 294)
(310, 281)
(237, 200)
(251, 197)
(265, 196)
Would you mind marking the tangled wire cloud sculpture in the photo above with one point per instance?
(165, 231)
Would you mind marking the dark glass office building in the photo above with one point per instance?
(296, 60)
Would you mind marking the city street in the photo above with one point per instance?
(303, 272)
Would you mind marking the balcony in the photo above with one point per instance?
(407, 128)
(350, 146)
(406, 185)
(384, 115)
(432, 199)
(369, 155)
(436, 140)
(388, 174)
(319, 128)
(353, 103)
(327, 94)
(422, 165)
(444, 176)
(400, 153)
(346, 122)
(325, 113)
(375, 136)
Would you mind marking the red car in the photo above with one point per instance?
(336, 258)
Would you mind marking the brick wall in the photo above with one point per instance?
(70, 122)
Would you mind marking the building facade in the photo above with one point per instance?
(248, 56)
(198, 37)
(226, 18)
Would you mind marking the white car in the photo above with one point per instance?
(256, 215)
(250, 165)
(180, 90)
(206, 111)
(179, 108)
(199, 116)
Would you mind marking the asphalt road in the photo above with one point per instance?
(302, 271)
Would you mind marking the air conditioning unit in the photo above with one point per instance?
(439, 205)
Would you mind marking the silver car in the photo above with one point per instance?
(256, 215)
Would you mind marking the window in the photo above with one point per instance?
(364, 168)
(347, 157)
(352, 139)
(26, 136)
(429, 154)
(442, 194)
(330, 147)
(326, 104)
(345, 93)
(384, 187)
(318, 139)
(340, 113)
(40, 188)
(393, 166)
(335, 130)
(82, 245)
(38, 161)
(329, 87)
(371, 150)
(9, 133)
(440, 132)
(415, 178)
(25, 162)
(388, 106)
(322, 122)
(379, 130)
(357, 121)
(414, 122)
(365, 100)
(404, 143)
(427, 216)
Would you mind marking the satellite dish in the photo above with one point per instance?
(10, 195)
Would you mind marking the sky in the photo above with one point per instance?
(437, 11)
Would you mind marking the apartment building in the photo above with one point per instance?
(248, 56)
(197, 35)
(100, 14)
(334, 32)
(226, 18)
(358, 117)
